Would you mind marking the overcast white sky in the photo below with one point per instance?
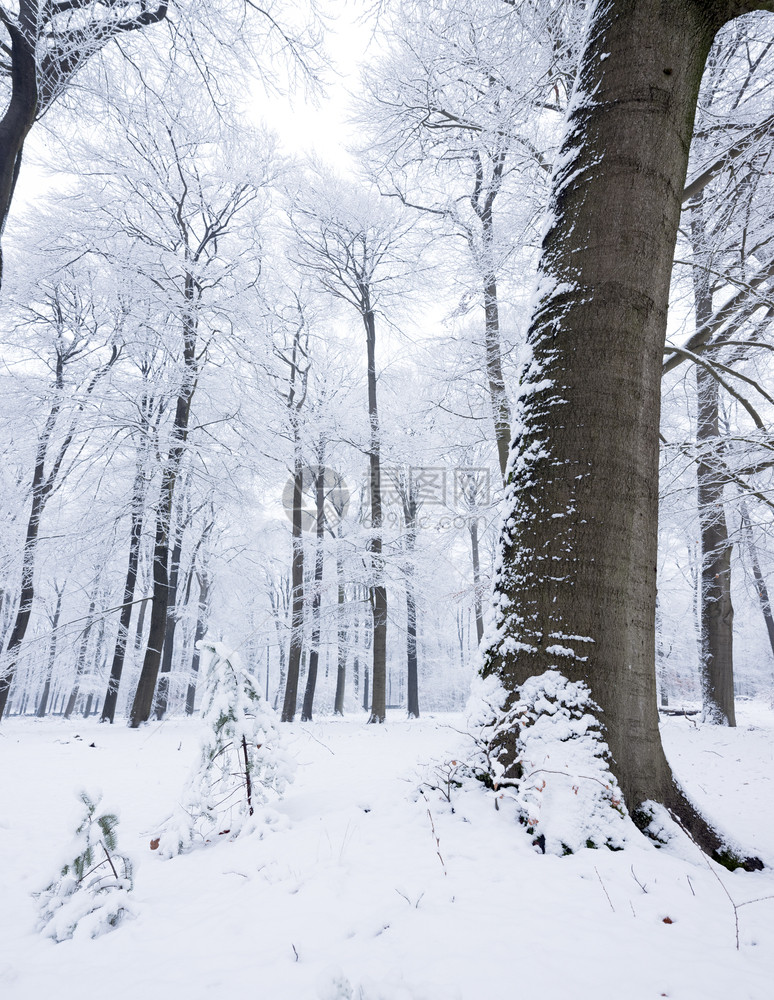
(319, 125)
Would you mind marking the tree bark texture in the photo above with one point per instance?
(378, 588)
(716, 612)
(576, 589)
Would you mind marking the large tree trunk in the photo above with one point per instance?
(22, 108)
(577, 587)
(378, 588)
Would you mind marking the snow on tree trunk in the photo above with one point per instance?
(575, 588)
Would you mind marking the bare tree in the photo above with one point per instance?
(356, 247)
(74, 322)
(47, 43)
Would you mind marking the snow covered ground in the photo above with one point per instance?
(363, 887)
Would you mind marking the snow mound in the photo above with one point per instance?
(560, 780)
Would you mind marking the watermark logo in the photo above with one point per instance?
(416, 497)
(336, 497)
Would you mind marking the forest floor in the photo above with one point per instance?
(363, 886)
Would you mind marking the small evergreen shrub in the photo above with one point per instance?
(91, 894)
(241, 763)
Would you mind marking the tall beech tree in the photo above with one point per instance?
(357, 248)
(81, 330)
(576, 589)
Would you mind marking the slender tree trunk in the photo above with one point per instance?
(410, 507)
(477, 603)
(482, 201)
(378, 589)
(716, 623)
(201, 630)
(119, 653)
(342, 608)
(760, 583)
(661, 659)
(314, 651)
(41, 490)
(576, 590)
(43, 703)
(146, 687)
(494, 365)
(715, 608)
(162, 691)
(83, 646)
(356, 651)
(296, 596)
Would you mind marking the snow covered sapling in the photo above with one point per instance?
(241, 763)
(91, 894)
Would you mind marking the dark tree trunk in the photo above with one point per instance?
(119, 653)
(296, 597)
(142, 705)
(378, 589)
(162, 691)
(409, 497)
(477, 603)
(41, 490)
(319, 559)
(22, 108)
(716, 612)
(578, 573)
(356, 652)
(341, 660)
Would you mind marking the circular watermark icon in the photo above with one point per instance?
(335, 497)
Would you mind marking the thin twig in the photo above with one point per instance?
(604, 890)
